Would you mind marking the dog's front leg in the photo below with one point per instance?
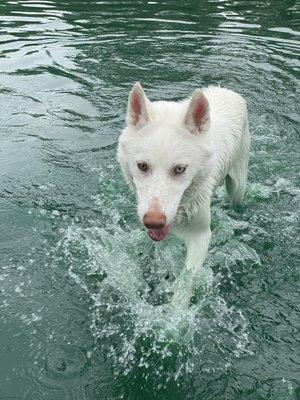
(197, 237)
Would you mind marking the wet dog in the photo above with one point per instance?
(174, 155)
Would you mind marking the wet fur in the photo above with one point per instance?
(208, 132)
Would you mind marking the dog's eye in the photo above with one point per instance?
(179, 169)
(142, 166)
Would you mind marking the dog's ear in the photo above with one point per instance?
(137, 110)
(197, 118)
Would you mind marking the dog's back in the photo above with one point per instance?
(229, 129)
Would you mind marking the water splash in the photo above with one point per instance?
(130, 281)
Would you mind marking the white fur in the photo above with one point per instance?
(212, 142)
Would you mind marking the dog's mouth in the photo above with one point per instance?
(158, 234)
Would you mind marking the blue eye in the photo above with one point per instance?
(179, 169)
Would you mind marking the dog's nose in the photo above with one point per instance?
(154, 220)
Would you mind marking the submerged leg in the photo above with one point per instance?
(237, 177)
(197, 237)
(235, 187)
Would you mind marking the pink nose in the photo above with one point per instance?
(154, 220)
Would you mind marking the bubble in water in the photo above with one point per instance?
(66, 362)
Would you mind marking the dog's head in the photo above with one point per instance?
(161, 151)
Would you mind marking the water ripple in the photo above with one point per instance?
(84, 293)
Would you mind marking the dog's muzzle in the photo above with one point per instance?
(155, 221)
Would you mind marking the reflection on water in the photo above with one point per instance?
(84, 293)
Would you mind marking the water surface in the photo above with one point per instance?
(84, 293)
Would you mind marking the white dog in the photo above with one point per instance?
(174, 155)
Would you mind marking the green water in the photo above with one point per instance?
(84, 294)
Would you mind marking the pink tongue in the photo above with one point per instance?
(158, 234)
